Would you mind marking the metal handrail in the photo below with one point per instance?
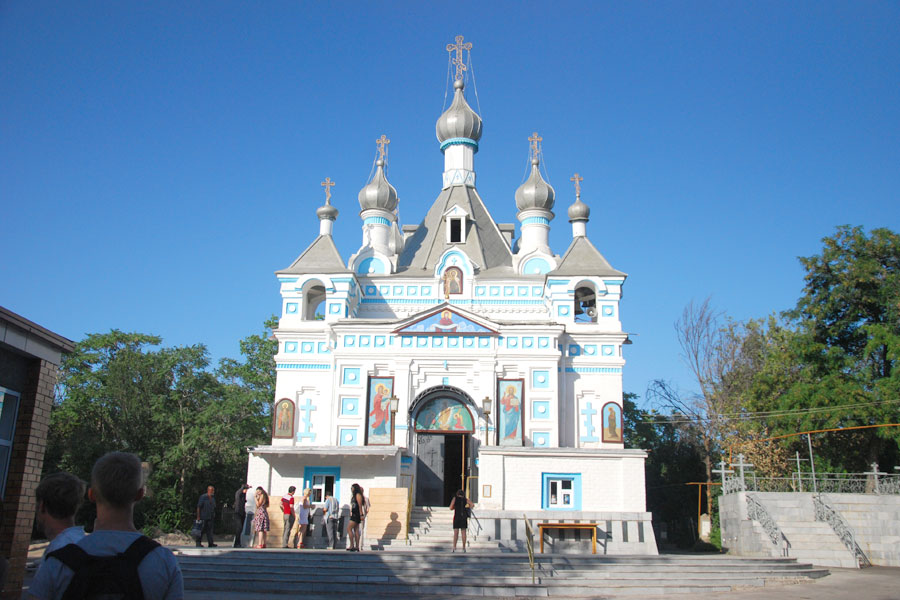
(827, 513)
(468, 480)
(757, 512)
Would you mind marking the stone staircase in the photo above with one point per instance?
(809, 540)
(431, 528)
(875, 521)
(239, 573)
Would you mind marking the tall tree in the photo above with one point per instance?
(840, 367)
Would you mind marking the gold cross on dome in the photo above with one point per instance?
(327, 184)
(577, 179)
(382, 143)
(535, 139)
(458, 47)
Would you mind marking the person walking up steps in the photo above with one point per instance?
(460, 506)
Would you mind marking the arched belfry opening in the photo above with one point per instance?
(585, 309)
(443, 419)
(313, 301)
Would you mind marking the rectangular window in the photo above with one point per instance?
(455, 231)
(322, 481)
(9, 411)
(561, 491)
(322, 486)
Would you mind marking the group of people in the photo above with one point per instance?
(115, 559)
(251, 517)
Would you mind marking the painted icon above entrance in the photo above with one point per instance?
(442, 322)
(447, 415)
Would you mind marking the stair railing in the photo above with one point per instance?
(409, 503)
(757, 512)
(828, 514)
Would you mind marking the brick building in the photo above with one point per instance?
(29, 363)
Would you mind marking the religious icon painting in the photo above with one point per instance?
(510, 400)
(283, 419)
(612, 423)
(379, 421)
(453, 281)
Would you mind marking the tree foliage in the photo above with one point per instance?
(125, 391)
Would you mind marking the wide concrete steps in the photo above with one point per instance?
(410, 573)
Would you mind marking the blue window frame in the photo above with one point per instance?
(561, 491)
(322, 480)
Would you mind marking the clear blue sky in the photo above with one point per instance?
(159, 160)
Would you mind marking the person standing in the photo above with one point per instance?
(357, 503)
(460, 506)
(287, 509)
(303, 517)
(261, 518)
(206, 512)
(332, 512)
(58, 498)
(240, 513)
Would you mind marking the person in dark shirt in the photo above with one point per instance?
(240, 512)
(206, 512)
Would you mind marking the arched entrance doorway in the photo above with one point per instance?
(444, 425)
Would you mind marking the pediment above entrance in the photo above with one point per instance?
(445, 320)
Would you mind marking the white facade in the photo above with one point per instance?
(453, 317)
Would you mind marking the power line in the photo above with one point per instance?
(675, 420)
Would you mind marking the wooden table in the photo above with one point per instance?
(591, 526)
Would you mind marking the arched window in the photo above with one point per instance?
(314, 301)
(585, 303)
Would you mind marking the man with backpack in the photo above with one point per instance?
(116, 560)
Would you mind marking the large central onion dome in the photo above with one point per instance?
(378, 193)
(458, 121)
(535, 192)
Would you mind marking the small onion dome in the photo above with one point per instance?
(458, 121)
(327, 211)
(378, 193)
(579, 211)
(535, 192)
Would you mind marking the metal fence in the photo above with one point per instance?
(740, 478)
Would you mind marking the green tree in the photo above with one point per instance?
(839, 365)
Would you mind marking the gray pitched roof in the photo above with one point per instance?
(582, 258)
(484, 243)
(321, 256)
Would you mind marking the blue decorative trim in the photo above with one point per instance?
(412, 290)
(480, 290)
(612, 282)
(459, 141)
(288, 279)
(347, 437)
(341, 280)
(335, 472)
(349, 407)
(370, 265)
(608, 310)
(426, 290)
(562, 310)
(365, 341)
(540, 409)
(540, 379)
(557, 282)
(290, 308)
(575, 478)
(543, 342)
(379, 341)
(589, 412)
(433, 301)
(350, 376)
(306, 420)
(334, 309)
(540, 439)
(306, 348)
(574, 350)
(371, 289)
(536, 266)
(536, 221)
(594, 370)
(537, 291)
(590, 350)
(608, 350)
(290, 347)
(302, 367)
(527, 342)
(376, 221)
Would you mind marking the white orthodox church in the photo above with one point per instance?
(452, 354)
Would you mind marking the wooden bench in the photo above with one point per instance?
(591, 526)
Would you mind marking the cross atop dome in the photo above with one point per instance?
(577, 179)
(535, 140)
(457, 60)
(327, 184)
(382, 143)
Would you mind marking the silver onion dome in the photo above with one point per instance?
(327, 211)
(378, 193)
(458, 121)
(535, 192)
(579, 211)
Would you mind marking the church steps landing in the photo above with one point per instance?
(375, 574)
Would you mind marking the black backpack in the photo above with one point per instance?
(105, 577)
